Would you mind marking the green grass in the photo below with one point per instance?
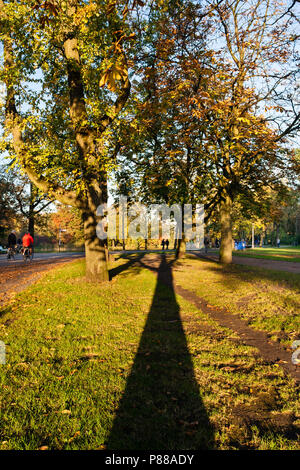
(269, 300)
(129, 365)
(279, 254)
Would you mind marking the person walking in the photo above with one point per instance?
(11, 245)
(12, 239)
(206, 244)
(167, 244)
(163, 243)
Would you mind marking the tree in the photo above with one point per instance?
(223, 112)
(254, 73)
(66, 74)
(161, 136)
(29, 200)
(8, 213)
(67, 225)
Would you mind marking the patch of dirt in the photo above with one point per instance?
(263, 413)
(246, 416)
(196, 327)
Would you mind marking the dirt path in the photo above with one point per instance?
(270, 351)
(17, 277)
(288, 266)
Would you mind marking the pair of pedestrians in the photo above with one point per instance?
(165, 243)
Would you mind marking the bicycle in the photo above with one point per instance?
(26, 254)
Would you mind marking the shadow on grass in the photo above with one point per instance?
(161, 407)
(123, 267)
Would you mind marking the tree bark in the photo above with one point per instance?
(225, 255)
(31, 214)
(31, 224)
(181, 244)
(261, 239)
(96, 267)
(181, 248)
(96, 251)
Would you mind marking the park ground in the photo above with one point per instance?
(168, 355)
(284, 253)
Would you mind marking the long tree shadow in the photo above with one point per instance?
(161, 407)
(123, 267)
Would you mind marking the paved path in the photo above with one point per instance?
(287, 266)
(38, 257)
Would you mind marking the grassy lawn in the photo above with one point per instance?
(131, 365)
(279, 254)
(268, 300)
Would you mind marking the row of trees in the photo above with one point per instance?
(23, 208)
(194, 101)
(20, 203)
(278, 216)
(204, 129)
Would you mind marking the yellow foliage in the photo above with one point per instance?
(113, 73)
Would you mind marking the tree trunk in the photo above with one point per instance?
(181, 245)
(31, 212)
(261, 239)
(181, 249)
(96, 266)
(31, 225)
(277, 234)
(226, 231)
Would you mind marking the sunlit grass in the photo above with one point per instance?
(279, 254)
(269, 300)
(71, 348)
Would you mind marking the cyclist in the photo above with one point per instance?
(27, 241)
(11, 244)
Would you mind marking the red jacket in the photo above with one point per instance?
(27, 240)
